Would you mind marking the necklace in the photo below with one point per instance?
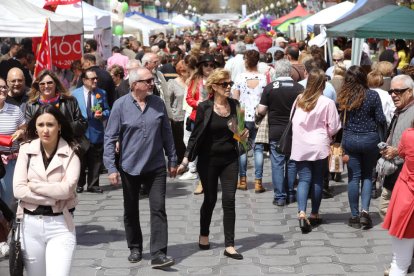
(222, 110)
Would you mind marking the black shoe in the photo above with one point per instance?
(305, 225)
(203, 246)
(365, 220)
(354, 222)
(135, 255)
(235, 256)
(279, 202)
(327, 194)
(291, 199)
(95, 189)
(315, 221)
(79, 190)
(162, 262)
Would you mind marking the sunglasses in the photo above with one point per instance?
(397, 91)
(147, 81)
(211, 65)
(226, 84)
(46, 83)
(94, 78)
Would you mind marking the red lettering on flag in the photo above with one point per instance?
(43, 60)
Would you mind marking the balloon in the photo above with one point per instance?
(119, 30)
(203, 28)
(124, 7)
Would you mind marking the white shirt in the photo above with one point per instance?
(387, 103)
(236, 66)
(85, 95)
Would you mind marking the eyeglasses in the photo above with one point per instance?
(3, 87)
(16, 81)
(397, 91)
(93, 79)
(337, 60)
(147, 81)
(46, 83)
(211, 65)
(226, 84)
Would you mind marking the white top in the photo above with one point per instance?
(236, 66)
(250, 96)
(387, 103)
(11, 118)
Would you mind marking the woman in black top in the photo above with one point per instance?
(217, 151)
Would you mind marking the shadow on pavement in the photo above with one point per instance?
(96, 234)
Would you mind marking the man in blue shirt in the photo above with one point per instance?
(140, 123)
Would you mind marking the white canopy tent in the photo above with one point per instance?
(138, 24)
(92, 16)
(23, 19)
(181, 21)
(325, 16)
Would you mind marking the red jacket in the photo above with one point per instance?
(191, 99)
(263, 42)
(400, 214)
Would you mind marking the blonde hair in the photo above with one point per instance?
(375, 79)
(215, 77)
(34, 92)
(386, 68)
(314, 89)
(339, 69)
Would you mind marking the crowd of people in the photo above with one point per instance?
(174, 108)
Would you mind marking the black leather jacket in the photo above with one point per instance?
(204, 111)
(70, 109)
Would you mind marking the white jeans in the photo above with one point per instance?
(47, 245)
(402, 253)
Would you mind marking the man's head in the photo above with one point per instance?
(281, 42)
(132, 65)
(16, 82)
(337, 56)
(116, 50)
(401, 90)
(135, 45)
(282, 68)
(150, 61)
(240, 48)
(14, 48)
(292, 53)
(90, 79)
(91, 46)
(141, 81)
(87, 61)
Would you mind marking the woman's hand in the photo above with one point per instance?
(244, 135)
(183, 166)
(389, 152)
(18, 134)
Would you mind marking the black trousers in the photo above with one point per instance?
(178, 134)
(92, 160)
(156, 183)
(209, 174)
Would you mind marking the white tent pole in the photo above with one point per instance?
(356, 50)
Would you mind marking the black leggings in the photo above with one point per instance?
(209, 174)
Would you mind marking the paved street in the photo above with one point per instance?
(267, 236)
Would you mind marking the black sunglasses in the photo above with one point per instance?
(211, 65)
(225, 84)
(46, 83)
(94, 78)
(397, 91)
(147, 81)
(340, 59)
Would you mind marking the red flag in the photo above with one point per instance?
(43, 59)
(51, 5)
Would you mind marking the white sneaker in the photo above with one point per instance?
(188, 176)
(4, 249)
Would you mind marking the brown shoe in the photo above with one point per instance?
(242, 185)
(258, 187)
(199, 189)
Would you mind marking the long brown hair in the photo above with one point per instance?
(34, 92)
(353, 90)
(314, 89)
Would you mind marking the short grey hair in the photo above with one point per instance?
(282, 68)
(406, 79)
(147, 58)
(135, 75)
(338, 54)
(240, 48)
(133, 64)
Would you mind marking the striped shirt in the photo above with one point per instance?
(11, 118)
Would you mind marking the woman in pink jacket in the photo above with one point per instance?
(314, 122)
(400, 214)
(45, 179)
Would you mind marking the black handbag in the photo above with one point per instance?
(16, 263)
(284, 146)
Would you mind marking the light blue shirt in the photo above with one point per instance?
(329, 90)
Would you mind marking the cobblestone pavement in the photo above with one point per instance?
(267, 236)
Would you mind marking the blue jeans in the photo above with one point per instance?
(311, 174)
(6, 186)
(283, 173)
(258, 153)
(363, 152)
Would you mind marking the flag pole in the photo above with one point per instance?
(49, 41)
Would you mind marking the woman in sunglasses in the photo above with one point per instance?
(47, 89)
(197, 92)
(363, 115)
(213, 143)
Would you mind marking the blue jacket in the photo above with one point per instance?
(95, 131)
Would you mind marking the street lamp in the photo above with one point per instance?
(266, 8)
(278, 4)
(272, 6)
(157, 3)
(189, 7)
(194, 9)
(168, 5)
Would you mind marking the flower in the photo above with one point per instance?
(57, 105)
(98, 96)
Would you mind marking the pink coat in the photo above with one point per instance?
(400, 214)
(55, 186)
